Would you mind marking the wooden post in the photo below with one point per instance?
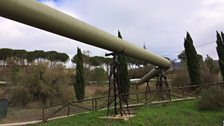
(43, 115)
(95, 100)
(137, 93)
(68, 112)
(93, 107)
(169, 94)
(183, 92)
(146, 98)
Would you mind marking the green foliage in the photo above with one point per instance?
(80, 78)
(39, 54)
(212, 99)
(192, 60)
(54, 56)
(180, 78)
(20, 97)
(123, 72)
(98, 75)
(5, 53)
(30, 57)
(208, 76)
(182, 57)
(210, 64)
(96, 60)
(39, 83)
(21, 56)
(63, 57)
(209, 71)
(74, 59)
(220, 51)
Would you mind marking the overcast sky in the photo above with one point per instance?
(160, 24)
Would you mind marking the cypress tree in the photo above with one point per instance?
(220, 51)
(123, 70)
(79, 84)
(192, 60)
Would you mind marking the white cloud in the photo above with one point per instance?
(160, 24)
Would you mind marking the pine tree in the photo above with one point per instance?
(79, 84)
(192, 60)
(220, 51)
(123, 70)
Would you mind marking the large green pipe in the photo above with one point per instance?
(41, 16)
(149, 76)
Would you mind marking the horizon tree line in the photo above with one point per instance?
(24, 57)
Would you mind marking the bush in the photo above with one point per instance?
(180, 78)
(97, 75)
(208, 75)
(20, 97)
(39, 83)
(212, 99)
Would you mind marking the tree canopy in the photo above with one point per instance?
(31, 56)
(192, 60)
(220, 51)
(123, 72)
(79, 83)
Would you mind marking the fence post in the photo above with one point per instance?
(95, 100)
(183, 92)
(146, 98)
(93, 107)
(137, 93)
(137, 96)
(43, 115)
(68, 109)
(169, 94)
(222, 86)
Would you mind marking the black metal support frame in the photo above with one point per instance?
(162, 84)
(115, 97)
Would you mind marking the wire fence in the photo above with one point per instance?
(135, 99)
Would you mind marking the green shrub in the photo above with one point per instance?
(20, 97)
(97, 75)
(43, 84)
(212, 99)
(180, 78)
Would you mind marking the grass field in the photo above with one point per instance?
(172, 114)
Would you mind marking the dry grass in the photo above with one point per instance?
(21, 115)
(96, 90)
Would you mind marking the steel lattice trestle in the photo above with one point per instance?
(115, 96)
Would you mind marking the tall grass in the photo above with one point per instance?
(212, 99)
